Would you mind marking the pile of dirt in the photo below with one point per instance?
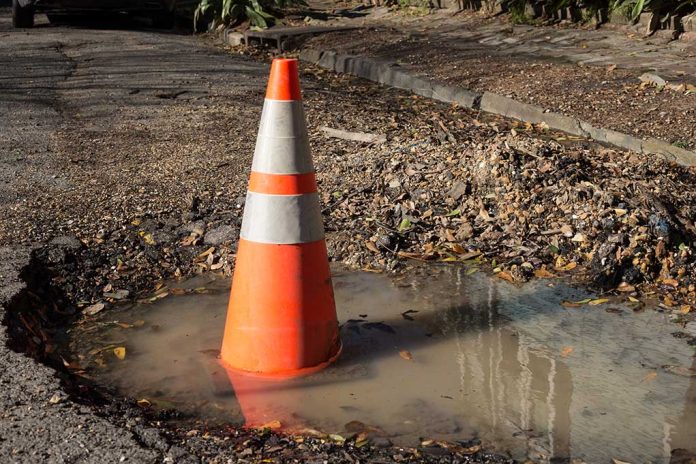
(448, 185)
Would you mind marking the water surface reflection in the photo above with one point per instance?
(508, 365)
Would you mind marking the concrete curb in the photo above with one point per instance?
(393, 75)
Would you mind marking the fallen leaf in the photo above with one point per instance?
(626, 288)
(206, 252)
(337, 438)
(362, 439)
(147, 238)
(649, 377)
(505, 276)
(144, 403)
(272, 425)
(568, 267)
(543, 274)
(598, 301)
(120, 352)
(575, 304)
(404, 225)
(406, 355)
(565, 352)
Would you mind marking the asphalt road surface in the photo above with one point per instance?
(59, 79)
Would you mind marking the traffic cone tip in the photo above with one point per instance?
(284, 82)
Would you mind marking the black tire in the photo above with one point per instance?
(22, 16)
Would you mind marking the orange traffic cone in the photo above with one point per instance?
(281, 319)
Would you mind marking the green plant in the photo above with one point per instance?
(630, 8)
(517, 11)
(230, 11)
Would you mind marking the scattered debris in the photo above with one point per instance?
(354, 136)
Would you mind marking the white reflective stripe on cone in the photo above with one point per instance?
(282, 146)
(282, 219)
(282, 119)
(275, 155)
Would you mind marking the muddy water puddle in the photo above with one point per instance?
(437, 354)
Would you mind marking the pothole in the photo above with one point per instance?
(436, 354)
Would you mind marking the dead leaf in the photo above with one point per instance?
(144, 403)
(147, 237)
(575, 304)
(505, 276)
(598, 301)
(626, 288)
(120, 352)
(568, 267)
(565, 352)
(543, 274)
(272, 425)
(406, 355)
(206, 253)
(649, 377)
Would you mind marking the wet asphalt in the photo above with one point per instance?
(38, 420)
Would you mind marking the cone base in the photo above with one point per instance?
(287, 374)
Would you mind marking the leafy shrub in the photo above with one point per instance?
(231, 11)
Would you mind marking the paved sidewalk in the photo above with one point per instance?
(587, 74)
(626, 47)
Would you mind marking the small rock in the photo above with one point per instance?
(234, 38)
(381, 442)
(652, 79)
(458, 190)
(93, 309)
(220, 235)
(66, 241)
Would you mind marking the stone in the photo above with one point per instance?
(653, 79)
(219, 235)
(67, 242)
(688, 23)
(648, 23)
(458, 190)
(234, 38)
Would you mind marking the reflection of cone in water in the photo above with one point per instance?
(281, 319)
(264, 402)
